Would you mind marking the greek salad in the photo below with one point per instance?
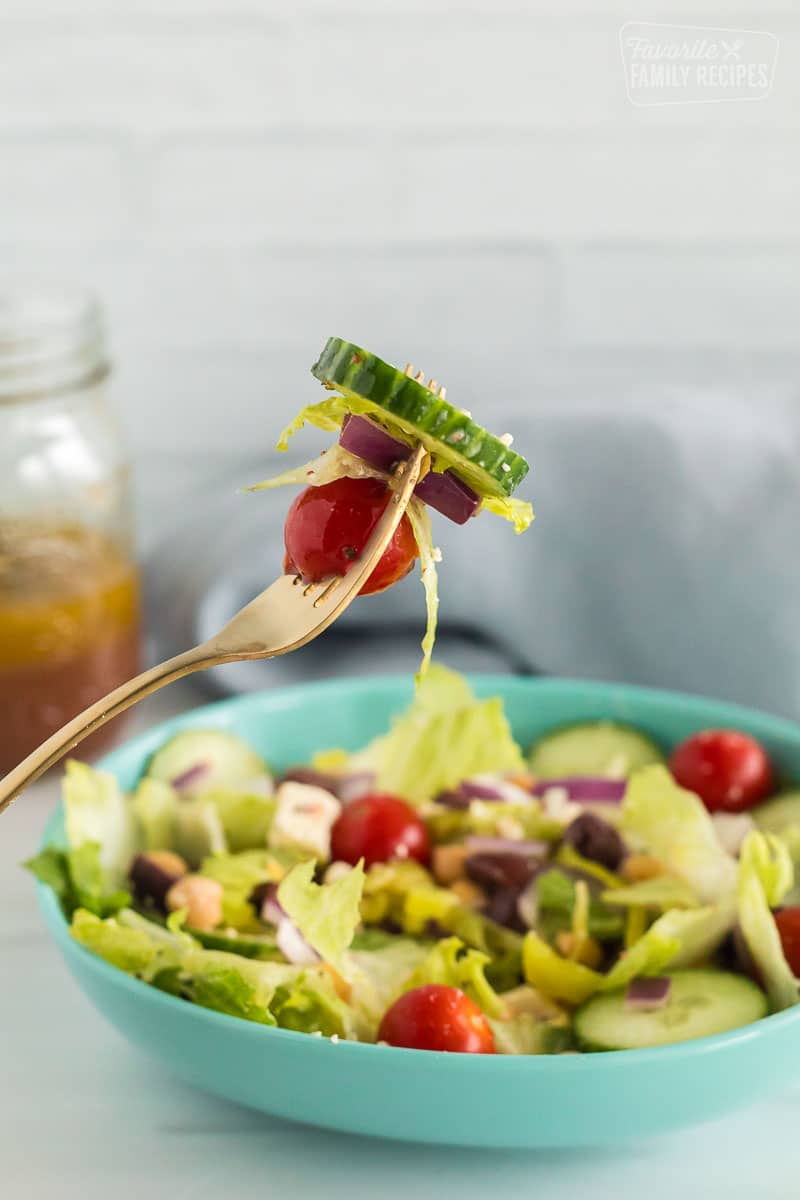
(444, 888)
(380, 413)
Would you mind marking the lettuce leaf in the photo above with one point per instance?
(327, 915)
(269, 993)
(766, 875)
(95, 810)
(377, 975)
(451, 963)
(155, 807)
(677, 939)
(556, 896)
(245, 816)
(78, 879)
(131, 950)
(489, 818)
(444, 736)
(239, 874)
(673, 825)
(199, 830)
(662, 892)
(528, 1034)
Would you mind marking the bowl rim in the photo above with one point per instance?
(143, 744)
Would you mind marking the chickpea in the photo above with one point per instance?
(202, 899)
(168, 861)
(448, 862)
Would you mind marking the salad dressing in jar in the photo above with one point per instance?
(69, 586)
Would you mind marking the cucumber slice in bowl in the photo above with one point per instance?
(598, 748)
(197, 758)
(411, 410)
(700, 1003)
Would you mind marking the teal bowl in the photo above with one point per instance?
(412, 1095)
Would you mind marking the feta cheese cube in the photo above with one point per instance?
(304, 817)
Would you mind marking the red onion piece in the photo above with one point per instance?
(500, 845)
(585, 789)
(311, 778)
(451, 799)
(442, 490)
(293, 946)
(353, 787)
(445, 492)
(645, 994)
(191, 776)
(343, 787)
(367, 440)
(487, 788)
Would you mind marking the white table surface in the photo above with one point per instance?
(82, 1114)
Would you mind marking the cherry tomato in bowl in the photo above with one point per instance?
(379, 828)
(728, 770)
(327, 527)
(788, 922)
(437, 1017)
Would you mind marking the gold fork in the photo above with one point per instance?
(287, 615)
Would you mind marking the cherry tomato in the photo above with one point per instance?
(729, 771)
(379, 828)
(788, 922)
(436, 1017)
(327, 527)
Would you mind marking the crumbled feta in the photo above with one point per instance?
(510, 827)
(731, 830)
(304, 816)
(558, 806)
(336, 871)
(507, 439)
(505, 467)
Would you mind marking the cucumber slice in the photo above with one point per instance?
(779, 814)
(593, 748)
(413, 411)
(700, 1003)
(217, 757)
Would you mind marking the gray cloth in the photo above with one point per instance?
(664, 552)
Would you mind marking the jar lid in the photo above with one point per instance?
(52, 339)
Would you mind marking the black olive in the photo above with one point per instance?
(151, 881)
(595, 839)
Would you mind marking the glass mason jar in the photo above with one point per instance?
(69, 586)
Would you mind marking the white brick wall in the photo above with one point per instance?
(459, 182)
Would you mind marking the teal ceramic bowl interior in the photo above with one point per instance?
(460, 1100)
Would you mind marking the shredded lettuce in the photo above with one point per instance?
(95, 810)
(327, 915)
(429, 555)
(518, 512)
(766, 875)
(674, 826)
(130, 949)
(334, 463)
(679, 938)
(444, 736)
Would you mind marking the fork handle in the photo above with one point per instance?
(97, 714)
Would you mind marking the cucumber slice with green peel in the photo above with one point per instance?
(413, 411)
(600, 748)
(780, 813)
(700, 1003)
(197, 758)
